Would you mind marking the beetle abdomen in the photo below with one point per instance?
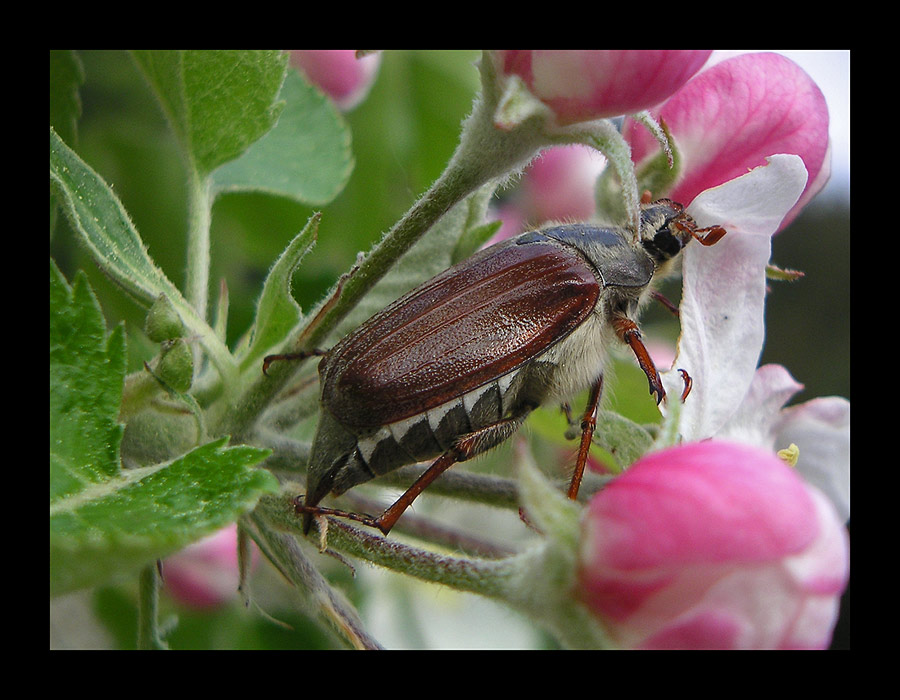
(377, 451)
(472, 324)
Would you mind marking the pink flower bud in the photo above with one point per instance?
(585, 85)
(730, 117)
(205, 574)
(342, 76)
(713, 545)
(559, 184)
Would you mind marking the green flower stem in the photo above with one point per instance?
(197, 281)
(662, 136)
(286, 554)
(199, 217)
(520, 581)
(148, 610)
(603, 135)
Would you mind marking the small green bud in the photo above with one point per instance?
(163, 321)
(176, 365)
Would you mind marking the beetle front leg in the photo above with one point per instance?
(588, 424)
(628, 332)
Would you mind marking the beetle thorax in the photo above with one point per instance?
(581, 356)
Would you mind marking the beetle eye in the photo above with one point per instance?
(664, 245)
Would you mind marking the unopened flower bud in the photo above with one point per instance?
(163, 321)
(340, 74)
(713, 545)
(176, 365)
(582, 85)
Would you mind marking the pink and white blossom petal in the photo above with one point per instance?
(724, 292)
(821, 429)
(758, 418)
(583, 85)
(559, 184)
(205, 574)
(732, 116)
(713, 545)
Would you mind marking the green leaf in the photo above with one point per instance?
(276, 312)
(306, 157)
(104, 227)
(105, 520)
(106, 231)
(623, 439)
(87, 372)
(218, 102)
(143, 514)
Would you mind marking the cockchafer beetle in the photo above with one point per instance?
(454, 367)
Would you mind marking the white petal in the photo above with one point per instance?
(759, 415)
(754, 203)
(724, 291)
(821, 429)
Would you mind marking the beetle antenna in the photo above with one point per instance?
(706, 236)
(710, 235)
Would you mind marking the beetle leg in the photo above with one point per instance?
(666, 303)
(574, 428)
(588, 424)
(688, 384)
(386, 521)
(269, 359)
(628, 332)
(465, 447)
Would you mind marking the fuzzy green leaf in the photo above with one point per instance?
(276, 312)
(128, 521)
(104, 227)
(306, 157)
(218, 102)
(87, 372)
(105, 230)
(105, 520)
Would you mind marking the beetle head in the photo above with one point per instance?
(666, 229)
